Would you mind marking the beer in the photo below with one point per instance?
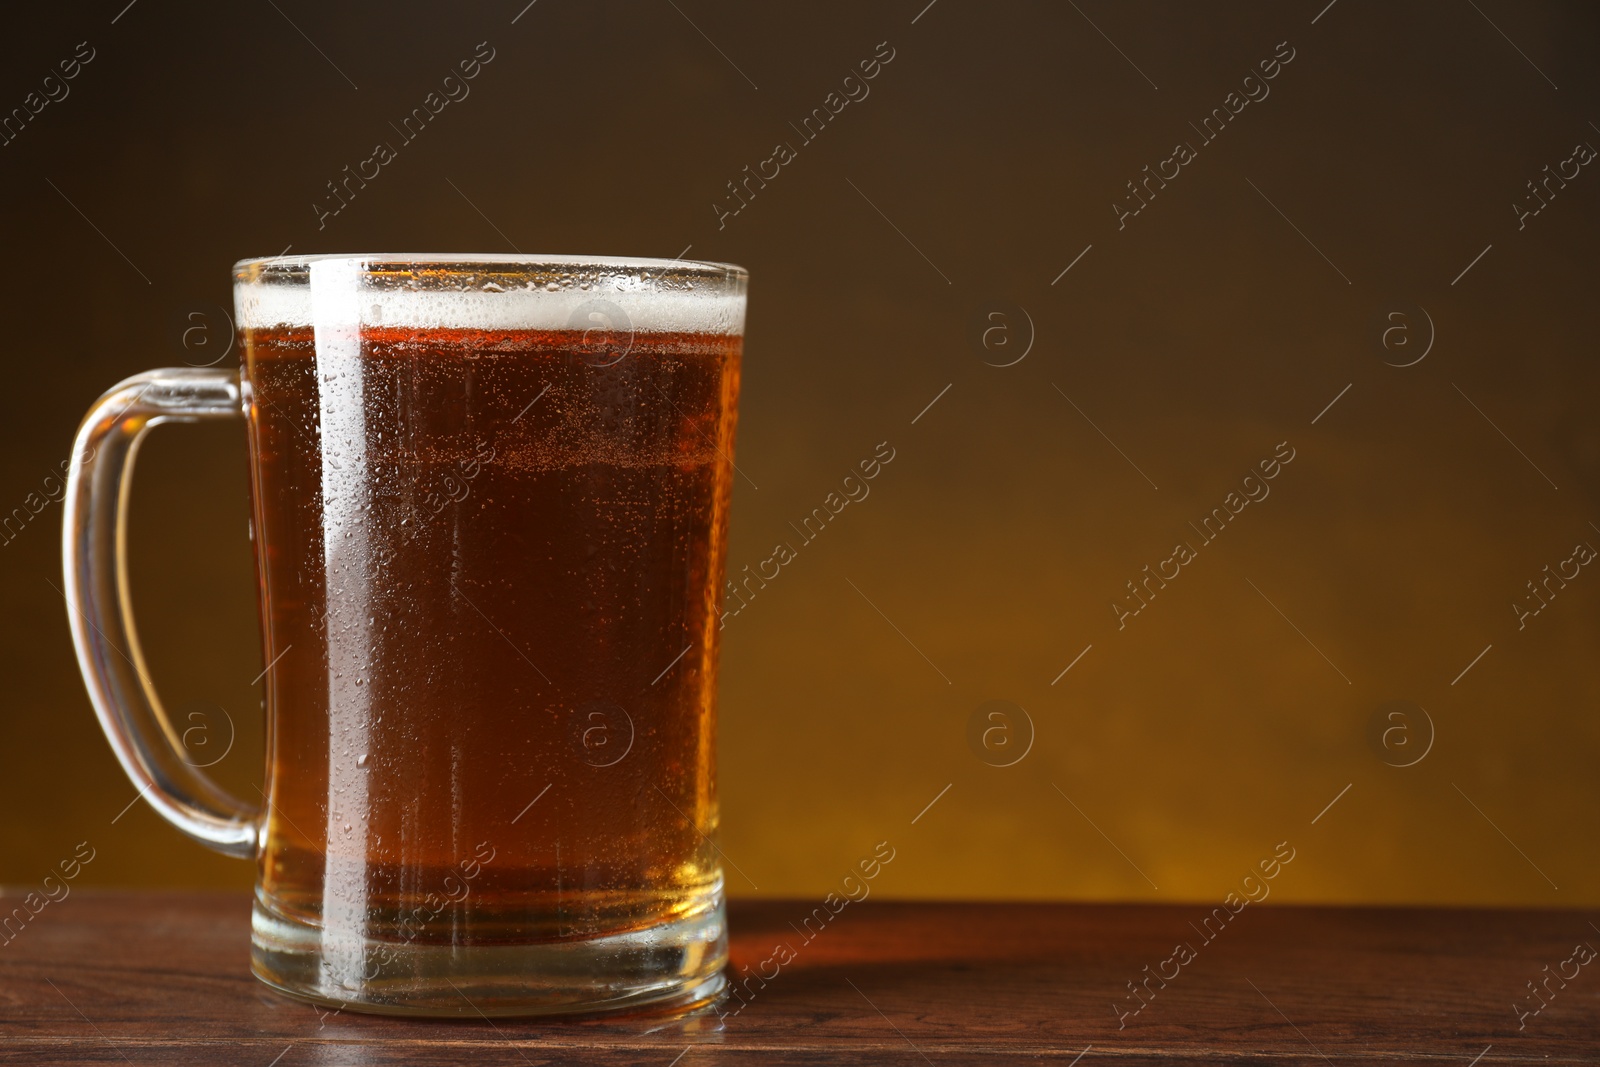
(539, 541)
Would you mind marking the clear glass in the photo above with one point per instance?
(490, 501)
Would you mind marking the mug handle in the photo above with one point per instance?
(94, 559)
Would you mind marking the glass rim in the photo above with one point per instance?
(490, 291)
(283, 267)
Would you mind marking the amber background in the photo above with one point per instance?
(1197, 338)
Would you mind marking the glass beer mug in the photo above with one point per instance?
(490, 506)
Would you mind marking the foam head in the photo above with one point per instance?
(487, 292)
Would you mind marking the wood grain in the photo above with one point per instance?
(163, 978)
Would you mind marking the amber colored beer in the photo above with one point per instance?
(493, 719)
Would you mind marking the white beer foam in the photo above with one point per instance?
(617, 302)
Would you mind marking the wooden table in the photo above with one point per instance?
(163, 978)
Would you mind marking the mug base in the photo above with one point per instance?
(676, 965)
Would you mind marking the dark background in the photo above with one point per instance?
(1220, 321)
